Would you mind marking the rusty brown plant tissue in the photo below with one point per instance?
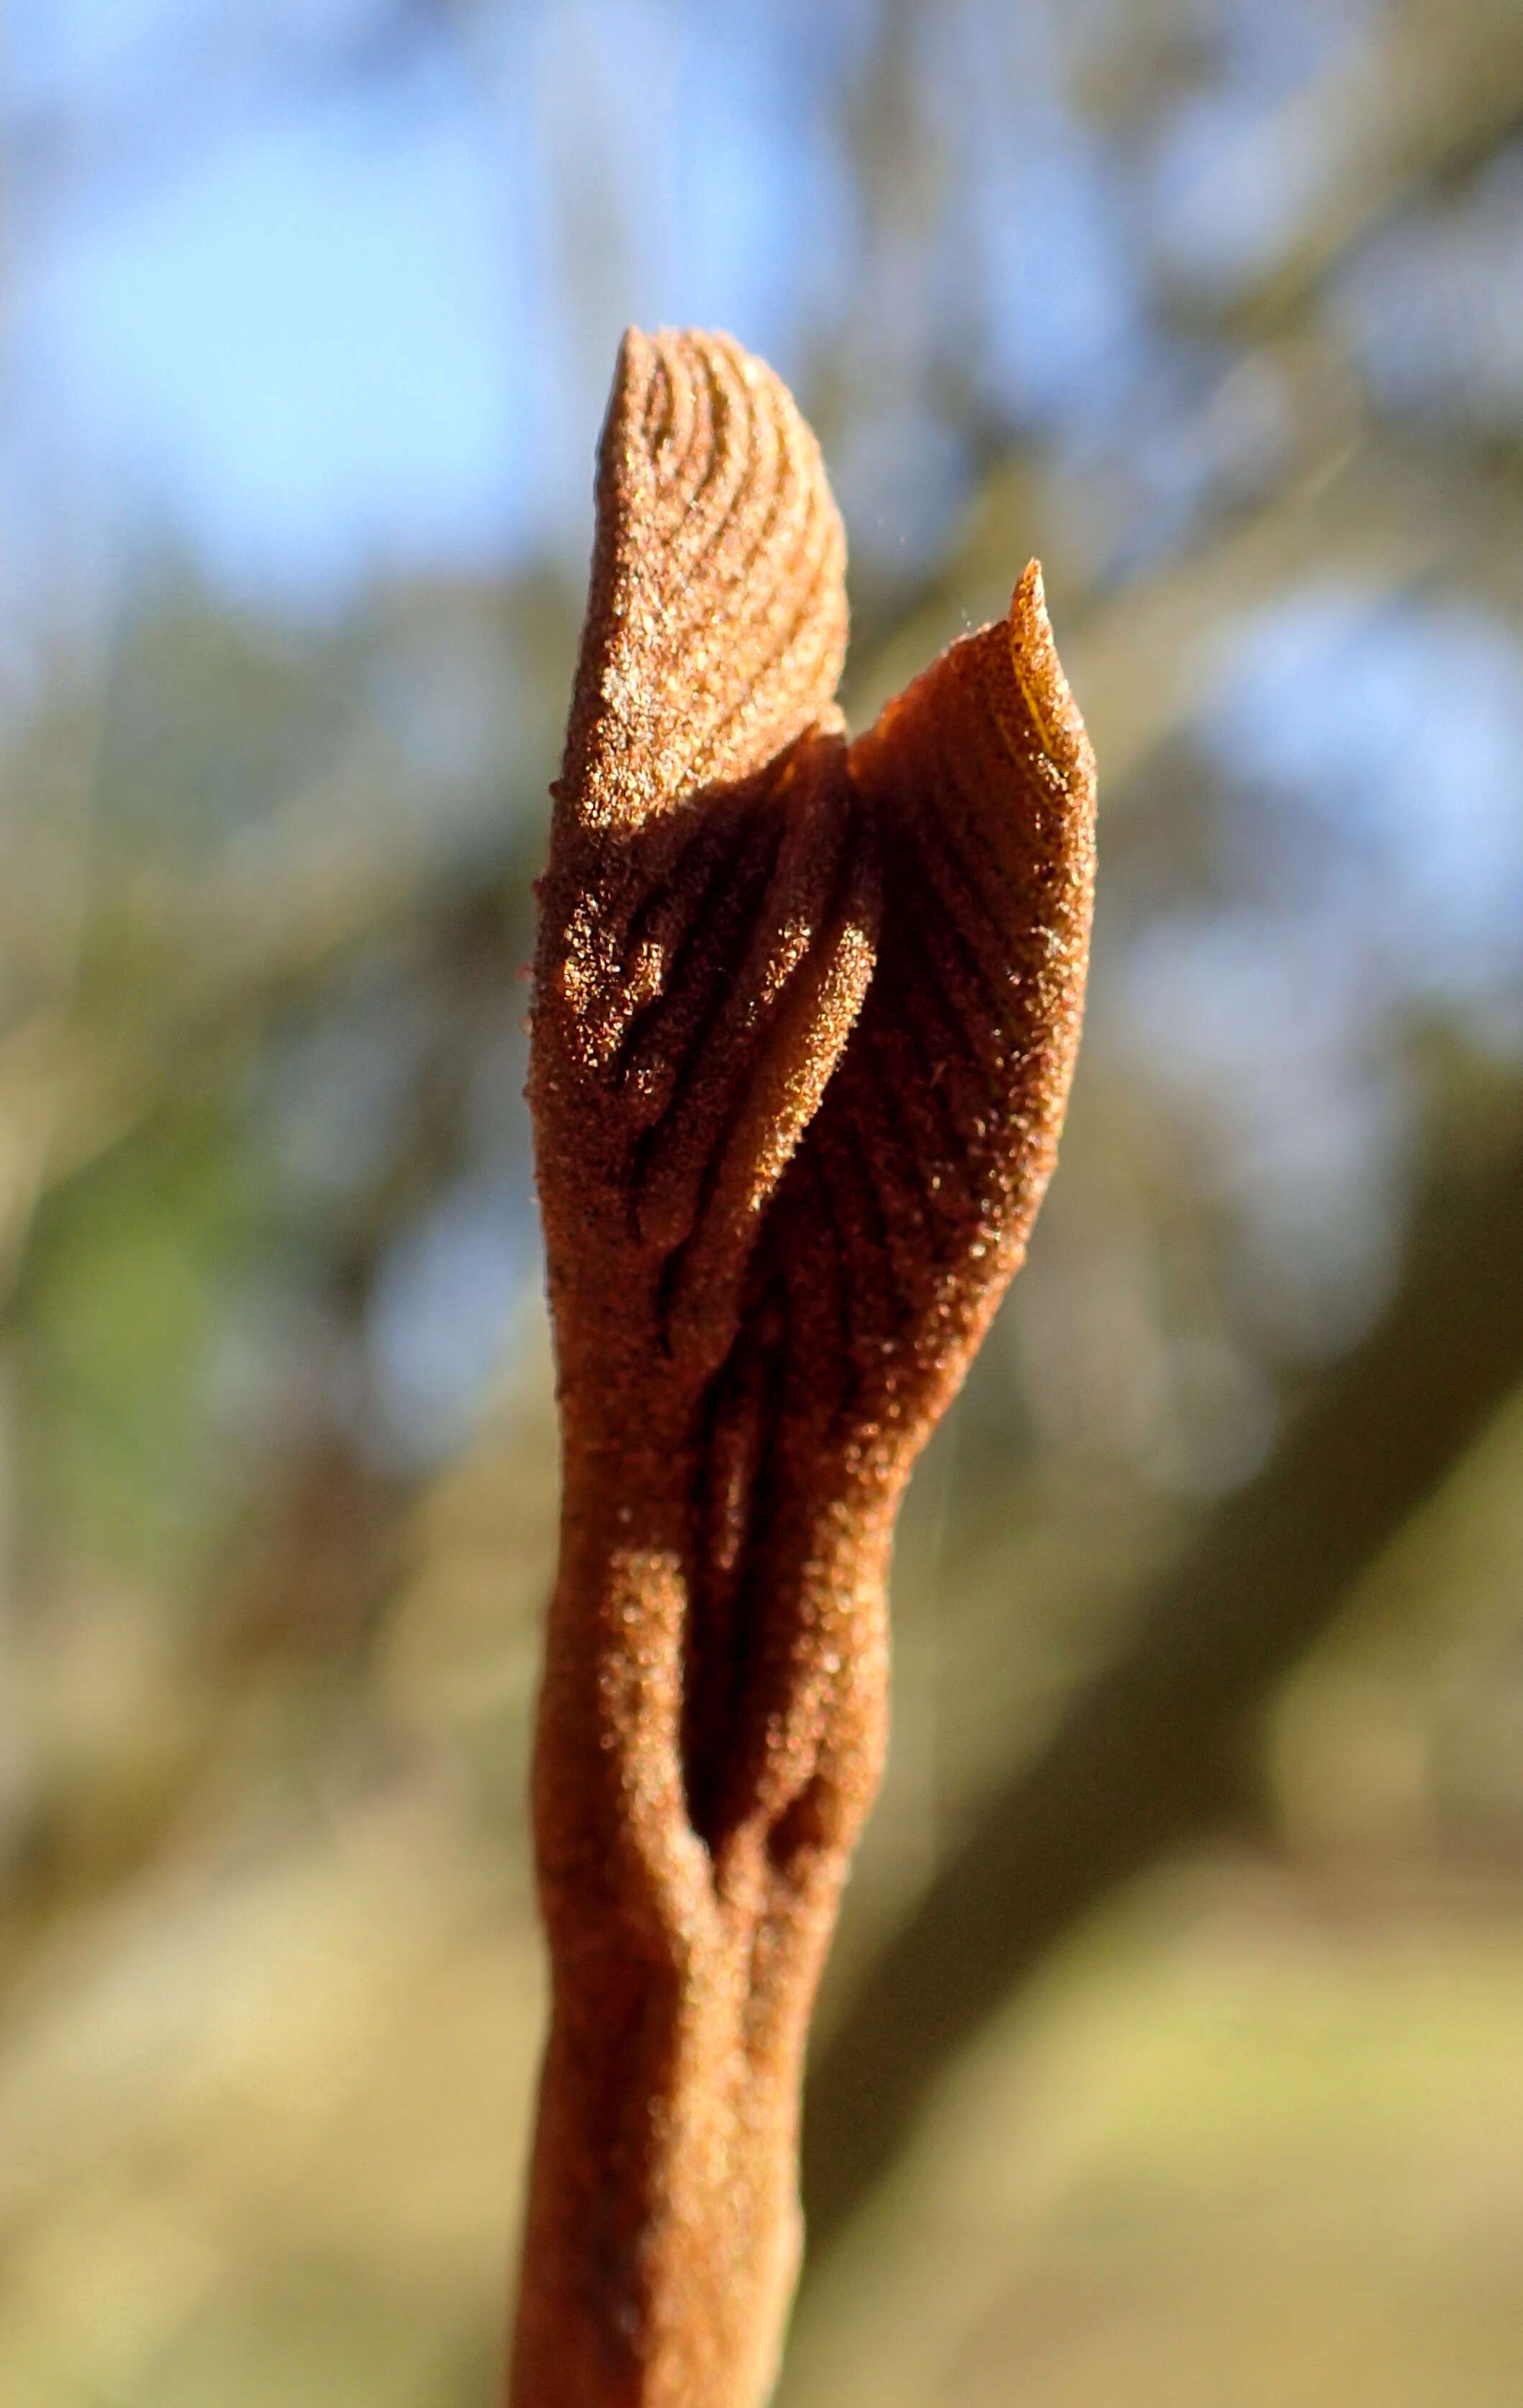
(805, 1013)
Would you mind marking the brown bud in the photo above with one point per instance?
(805, 1016)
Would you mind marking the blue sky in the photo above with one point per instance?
(323, 324)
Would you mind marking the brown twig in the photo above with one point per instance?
(805, 1016)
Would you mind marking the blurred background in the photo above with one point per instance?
(1172, 2051)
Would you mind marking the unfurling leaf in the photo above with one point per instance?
(805, 1016)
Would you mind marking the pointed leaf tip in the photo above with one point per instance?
(1044, 688)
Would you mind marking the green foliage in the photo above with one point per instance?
(126, 1295)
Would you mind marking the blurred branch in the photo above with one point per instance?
(1425, 93)
(1144, 654)
(225, 948)
(1150, 1758)
(1385, 516)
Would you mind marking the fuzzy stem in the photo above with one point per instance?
(663, 2232)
